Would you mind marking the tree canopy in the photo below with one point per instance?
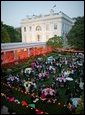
(4, 34)
(55, 42)
(76, 35)
(10, 34)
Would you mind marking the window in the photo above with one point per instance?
(30, 28)
(55, 27)
(38, 28)
(24, 29)
(38, 37)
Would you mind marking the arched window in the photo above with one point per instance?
(38, 28)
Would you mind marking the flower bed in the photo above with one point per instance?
(45, 106)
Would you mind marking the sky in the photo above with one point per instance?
(12, 12)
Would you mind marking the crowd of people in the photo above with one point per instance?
(61, 69)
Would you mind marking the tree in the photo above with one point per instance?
(18, 34)
(13, 33)
(4, 35)
(76, 35)
(55, 42)
(10, 34)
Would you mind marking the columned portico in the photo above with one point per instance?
(17, 51)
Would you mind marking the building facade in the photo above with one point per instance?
(41, 28)
(35, 32)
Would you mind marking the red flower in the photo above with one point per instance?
(11, 99)
(24, 103)
(39, 111)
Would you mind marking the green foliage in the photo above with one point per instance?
(55, 42)
(18, 34)
(10, 34)
(4, 35)
(76, 35)
(80, 108)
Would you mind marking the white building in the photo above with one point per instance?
(41, 28)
